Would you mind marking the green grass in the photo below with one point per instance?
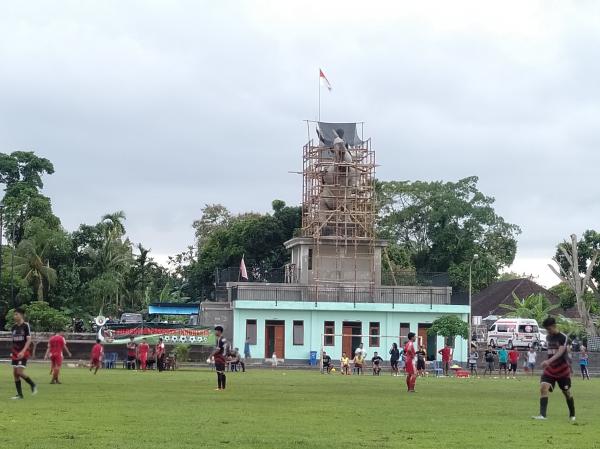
(288, 409)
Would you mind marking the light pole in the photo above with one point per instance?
(475, 257)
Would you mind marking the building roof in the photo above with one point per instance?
(488, 301)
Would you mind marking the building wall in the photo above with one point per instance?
(388, 316)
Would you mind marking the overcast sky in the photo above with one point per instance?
(158, 107)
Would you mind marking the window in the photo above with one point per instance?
(404, 330)
(298, 332)
(251, 331)
(310, 259)
(329, 329)
(374, 334)
(527, 328)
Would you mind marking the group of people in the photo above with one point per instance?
(137, 355)
(408, 355)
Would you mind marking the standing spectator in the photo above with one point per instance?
(446, 353)
(473, 357)
(489, 356)
(326, 360)
(376, 361)
(394, 357)
(160, 355)
(247, 348)
(503, 361)
(345, 364)
(421, 356)
(531, 358)
(131, 353)
(96, 356)
(143, 349)
(583, 363)
(361, 350)
(513, 358)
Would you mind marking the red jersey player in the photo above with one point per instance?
(409, 354)
(143, 349)
(56, 345)
(97, 353)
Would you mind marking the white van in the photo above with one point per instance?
(514, 333)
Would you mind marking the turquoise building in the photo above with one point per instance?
(334, 295)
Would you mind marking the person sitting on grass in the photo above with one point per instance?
(358, 363)
(326, 360)
(473, 357)
(345, 364)
(376, 362)
(503, 361)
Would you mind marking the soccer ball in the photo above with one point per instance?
(333, 370)
(207, 360)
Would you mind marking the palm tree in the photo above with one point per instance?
(30, 265)
(535, 306)
(113, 223)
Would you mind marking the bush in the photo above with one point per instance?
(182, 352)
(41, 317)
(449, 326)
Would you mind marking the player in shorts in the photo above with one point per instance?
(557, 369)
(21, 341)
(220, 357)
(96, 356)
(56, 345)
(409, 353)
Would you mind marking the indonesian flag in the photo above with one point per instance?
(243, 271)
(324, 81)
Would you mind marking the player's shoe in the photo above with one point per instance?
(572, 419)
(17, 397)
(34, 389)
(539, 417)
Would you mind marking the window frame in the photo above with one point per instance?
(298, 324)
(328, 328)
(253, 337)
(374, 329)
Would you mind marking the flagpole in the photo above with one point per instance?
(319, 87)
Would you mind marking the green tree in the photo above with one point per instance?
(34, 269)
(441, 226)
(535, 306)
(41, 317)
(449, 327)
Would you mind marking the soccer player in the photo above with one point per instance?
(557, 369)
(376, 361)
(513, 358)
(219, 355)
(409, 352)
(96, 356)
(503, 361)
(143, 349)
(446, 353)
(489, 360)
(21, 341)
(56, 345)
(131, 353)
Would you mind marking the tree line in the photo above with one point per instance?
(431, 227)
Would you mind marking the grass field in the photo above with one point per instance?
(288, 409)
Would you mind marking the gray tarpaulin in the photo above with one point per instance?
(346, 131)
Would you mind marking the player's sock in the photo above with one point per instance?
(223, 378)
(571, 405)
(29, 381)
(19, 389)
(543, 406)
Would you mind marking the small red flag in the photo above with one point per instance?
(323, 79)
(243, 271)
